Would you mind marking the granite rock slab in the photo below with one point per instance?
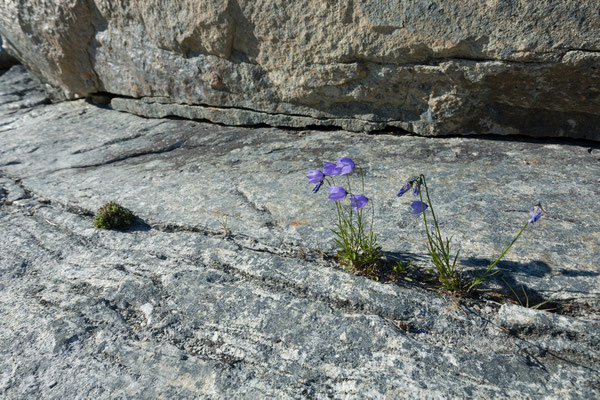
(180, 306)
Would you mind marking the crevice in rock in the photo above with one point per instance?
(162, 100)
(582, 49)
(243, 241)
(138, 154)
(12, 162)
(253, 205)
(110, 142)
(8, 123)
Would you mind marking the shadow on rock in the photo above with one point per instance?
(407, 270)
(404, 257)
(139, 226)
(520, 292)
(566, 272)
(536, 269)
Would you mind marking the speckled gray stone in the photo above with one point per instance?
(176, 308)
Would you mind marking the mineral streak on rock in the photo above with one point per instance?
(428, 67)
(175, 308)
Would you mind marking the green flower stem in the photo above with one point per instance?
(430, 206)
(438, 249)
(359, 245)
(446, 253)
(424, 217)
(439, 235)
(480, 278)
(349, 192)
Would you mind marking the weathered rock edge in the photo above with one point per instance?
(469, 67)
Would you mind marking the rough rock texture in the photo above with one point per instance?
(431, 68)
(176, 307)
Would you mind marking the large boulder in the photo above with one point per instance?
(428, 67)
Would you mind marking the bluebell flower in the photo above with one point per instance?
(315, 176)
(337, 193)
(404, 189)
(331, 169)
(358, 201)
(346, 165)
(535, 213)
(418, 207)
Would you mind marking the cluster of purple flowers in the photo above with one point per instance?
(345, 166)
(342, 166)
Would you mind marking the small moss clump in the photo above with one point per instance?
(113, 216)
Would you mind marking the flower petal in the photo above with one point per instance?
(331, 169)
(317, 187)
(416, 190)
(337, 193)
(346, 165)
(535, 214)
(358, 201)
(404, 189)
(418, 207)
(314, 176)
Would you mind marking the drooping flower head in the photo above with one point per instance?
(346, 165)
(535, 213)
(315, 176)
(337, 193)
(418, 207)
(413, 183)
(358, 201)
